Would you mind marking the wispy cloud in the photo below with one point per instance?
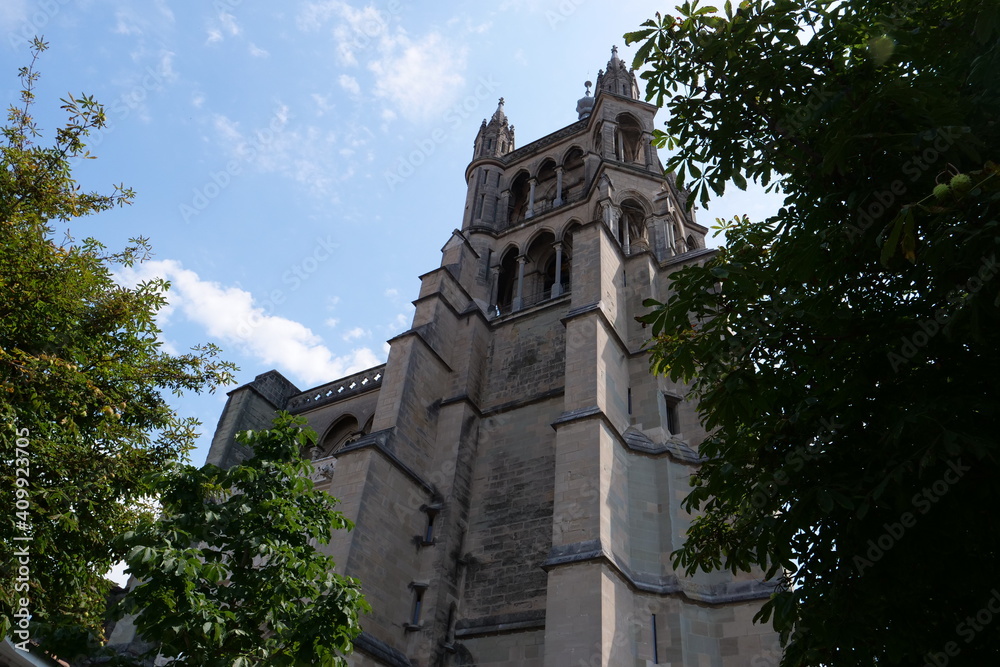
(224, 24)
(350, 84)
(356, 333)
(311, 155)
(417, 75)
(231, 317)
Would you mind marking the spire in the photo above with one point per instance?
(499, 115)
(496, 137)
(585, 104)
(618, 78)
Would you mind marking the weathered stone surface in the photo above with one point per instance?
(514, 467)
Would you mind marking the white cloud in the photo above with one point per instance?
(126, 24)
(229, 24)
(350, 84)
(167, 66)
(400, 324)
(419, 77)
(231, 317)
(358, 29)
(308, 154)
(331, 322)
(356, 333)
(258, 52)
(225, 24)
(323, 103)
(392, 293)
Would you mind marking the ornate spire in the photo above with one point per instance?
(496, 137)
(618, 78)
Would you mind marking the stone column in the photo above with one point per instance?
(650, 156)
(557, 285)
(559, 176)
(531, 200)
(519, 299)
(502, 221)
(625, 236)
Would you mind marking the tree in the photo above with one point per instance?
(230, 572)
(83, 415)
(843, 351)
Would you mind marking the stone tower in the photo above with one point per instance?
(514, 472)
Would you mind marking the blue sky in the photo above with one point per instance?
(298, 164)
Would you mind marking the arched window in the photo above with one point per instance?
(539, 271)
(519, 191)
(545, 190)
(345, 431)
(573, 174)
(633, 219)
(506, 281)
(628, 139)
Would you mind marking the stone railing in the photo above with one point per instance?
(351, 385)
(528, 300)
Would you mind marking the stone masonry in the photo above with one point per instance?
(514, 472)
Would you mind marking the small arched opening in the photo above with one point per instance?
(506, 282)
(520, 189)
(539, 271)
(628, 139)
(632, 227)
(343, 432)
(573, 175)
(545, 190)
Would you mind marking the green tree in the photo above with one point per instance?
(230, 572)
(843, 352)
(83, 415)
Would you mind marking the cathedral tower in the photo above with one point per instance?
(514, 472)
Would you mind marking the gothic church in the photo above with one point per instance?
(514, 472)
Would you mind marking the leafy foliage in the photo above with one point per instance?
(82, 380)
(843, 351)
(230, 572)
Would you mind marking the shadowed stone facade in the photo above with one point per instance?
(514, 472)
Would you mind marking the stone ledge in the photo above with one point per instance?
(633, 439)
(496, 623)
(593, 550)
(638, 441)
(381, 651)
